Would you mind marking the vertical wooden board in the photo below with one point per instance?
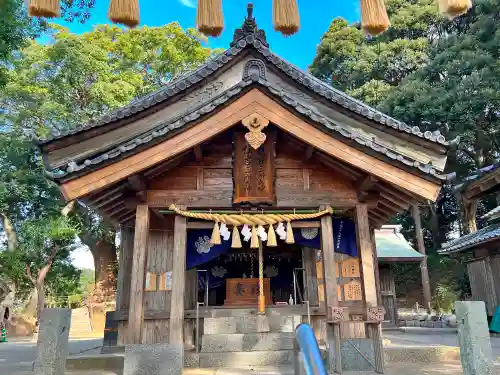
(136, 305)
(309, 264)
(178, 281)
(190, 292)
(288, 178)
(122, 333)
(482, 284)
(124, 268)
(327, 246)
(353, 330)
(366, 254)
(495, 271)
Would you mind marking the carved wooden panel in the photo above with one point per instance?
(340, 314)
(350, 268)
(353, 291)
(375, 314)
(254, 171)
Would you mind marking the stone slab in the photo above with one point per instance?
(52, 345)
(236, 342)
(474, 338)
(245, 359)
(153, 359)
(352, 360)
(250, 324)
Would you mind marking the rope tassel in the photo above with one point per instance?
(374, 18)
(236, 240)
(286, 17)
(289, 234)
(254, 242)
(271, 237)
(454, 8)
(209, 17)
(125, 12)
(216, 240)
(44, 8)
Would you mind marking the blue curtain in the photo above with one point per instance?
(200, 250)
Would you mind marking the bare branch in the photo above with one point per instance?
(28, 274)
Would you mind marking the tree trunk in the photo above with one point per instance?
(9, 232)
(104, 254)
(30, 308)
(469, 210)
(40, 299)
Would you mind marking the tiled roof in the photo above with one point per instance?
(249, 36)
(474, 176)
(177, 123)
(485, 234)
(492, 214)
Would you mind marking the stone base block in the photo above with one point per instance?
(153, 359)
(244, 342)
(352, 360)
(245, 359)
(250, 324)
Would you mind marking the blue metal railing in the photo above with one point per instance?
(311, 355)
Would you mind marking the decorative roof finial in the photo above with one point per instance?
(248, 28)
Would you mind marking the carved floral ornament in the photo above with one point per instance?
(255, 123)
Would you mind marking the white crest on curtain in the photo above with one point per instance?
(309, 233)
(271, 271)
(219, 271)
(203, 245)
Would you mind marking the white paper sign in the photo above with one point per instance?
(168, 280)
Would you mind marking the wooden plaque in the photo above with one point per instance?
(353, 291)
(254, 171)
(350, 268)
(150, 282)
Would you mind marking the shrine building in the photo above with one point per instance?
(248, 193)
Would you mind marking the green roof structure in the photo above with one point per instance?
(393, 247)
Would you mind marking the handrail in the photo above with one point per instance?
(311, 355)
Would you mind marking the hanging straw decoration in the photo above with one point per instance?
(271, 237)
(125, 12)
(374, 18)
(44, 8)
(286, 17)
(236, 240)
(253, 220)
(254, 242)
(215, 239)
(289, 234)
(209, 17)
(454, 8)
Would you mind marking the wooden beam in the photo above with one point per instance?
(107, 201)
(252, 102)
(366, 254)
(366, 183)
(198, 153)
(309, 153)
(330, 279)
(403, 206)
(137, 183)
(138, 276)
(178, 282)
(423, 264)
(99, 196)
(402, 196)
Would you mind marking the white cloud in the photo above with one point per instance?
(188, 3)
(81, 257)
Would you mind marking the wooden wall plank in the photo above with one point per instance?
(136, 305)
(178, 281)
(366, 254)
(311, 284)
(123, 283)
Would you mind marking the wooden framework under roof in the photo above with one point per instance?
(180, 145)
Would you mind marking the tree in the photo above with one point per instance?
(71, 81)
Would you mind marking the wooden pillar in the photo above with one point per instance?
(423, 264)
(139, 260)
(311, 283)
(375, 262)
(123, 282)
(330, 277)
(178, 282)
(366, 250)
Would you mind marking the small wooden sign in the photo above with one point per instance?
(150, 282)
(165, 281)
(353, 291)
(350, 268)
(339, 293)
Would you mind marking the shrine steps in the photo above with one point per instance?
(248, 340)
(274, 322)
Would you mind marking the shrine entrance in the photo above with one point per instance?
(232, 279)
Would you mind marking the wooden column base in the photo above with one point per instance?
(333, 347)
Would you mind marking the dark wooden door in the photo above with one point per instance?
(388, 293)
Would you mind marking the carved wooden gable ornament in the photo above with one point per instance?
(253, 163)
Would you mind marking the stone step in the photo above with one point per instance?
(247, 342)
(248, 324)
(245, 359)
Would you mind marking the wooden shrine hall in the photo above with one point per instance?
(251, 160)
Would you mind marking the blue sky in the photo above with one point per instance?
(298, 49)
